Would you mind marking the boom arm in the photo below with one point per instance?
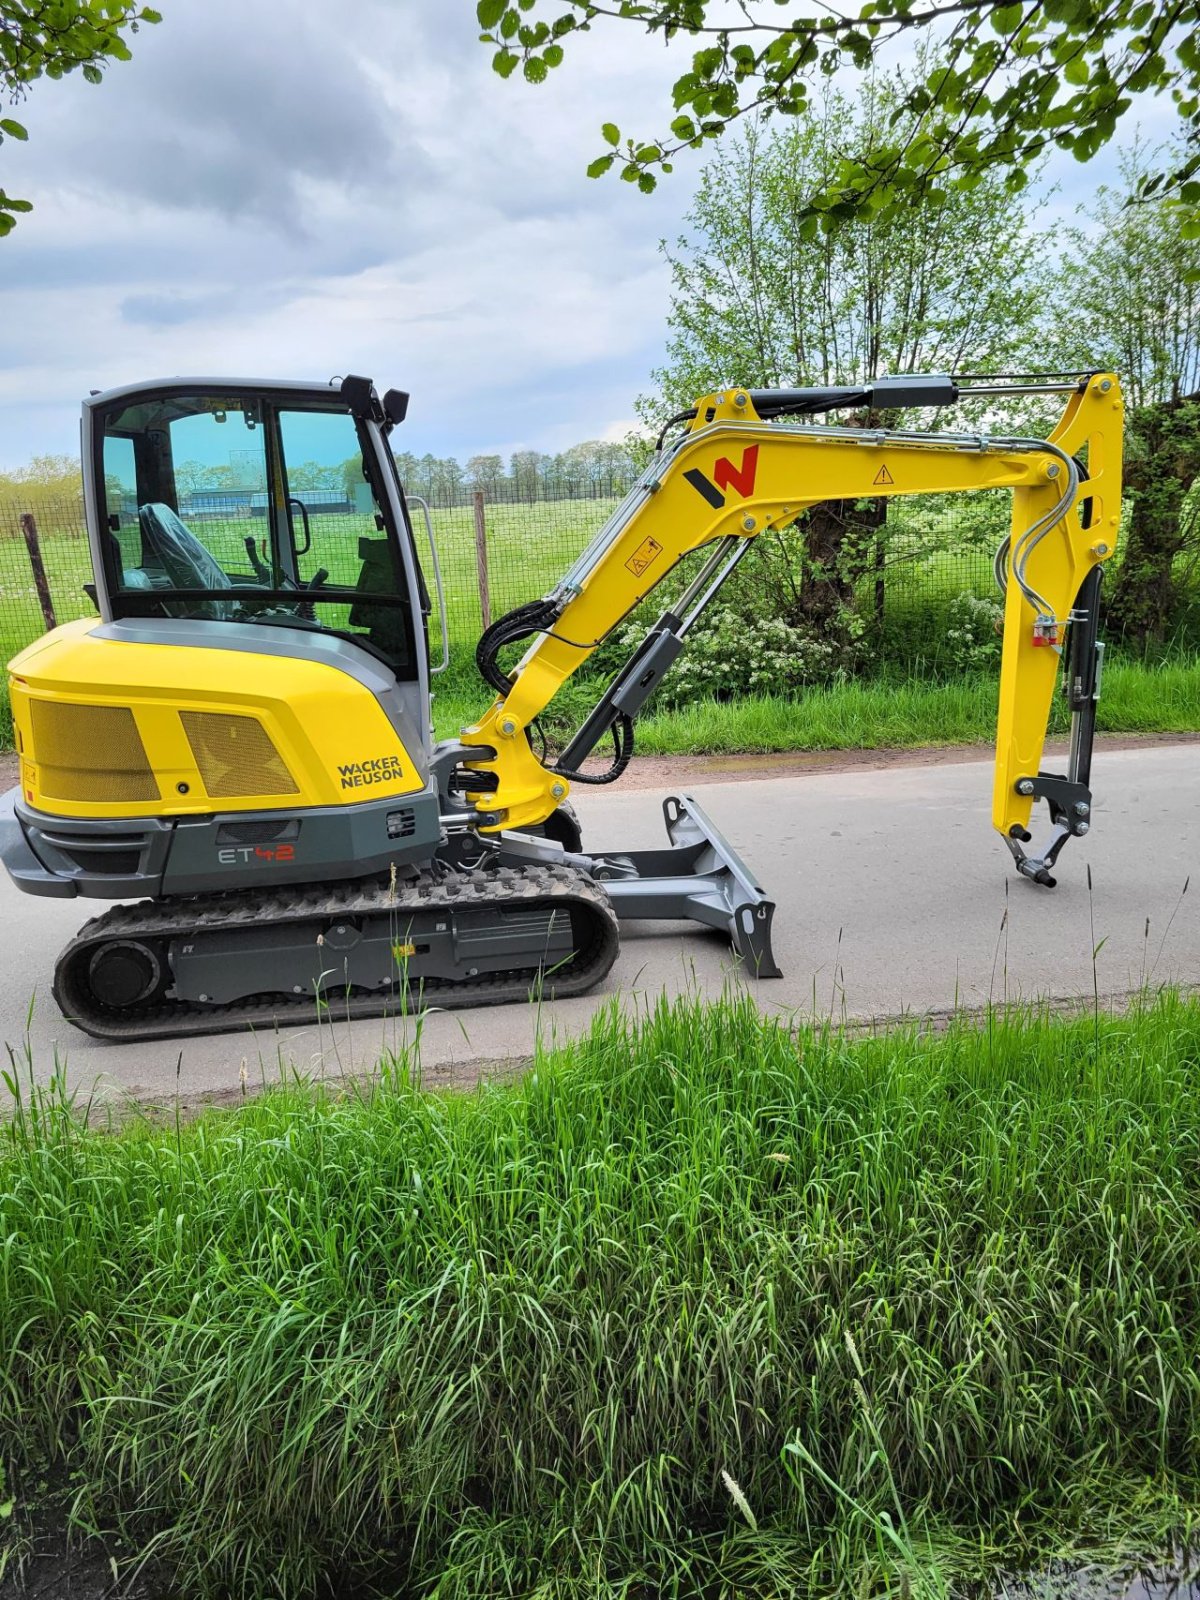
(732, 476)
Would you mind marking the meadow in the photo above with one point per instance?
(699, 1306)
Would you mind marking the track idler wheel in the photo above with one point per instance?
(126, 972)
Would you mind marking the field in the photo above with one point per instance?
(530, 547)
(698, 1307)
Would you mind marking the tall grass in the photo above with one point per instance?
(697, 1307)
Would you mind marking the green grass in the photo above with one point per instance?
(1137, 698)
(696, 1308)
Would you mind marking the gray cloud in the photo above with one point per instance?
(224, 108)
(322, 189)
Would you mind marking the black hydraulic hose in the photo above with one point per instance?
(621, 729)
(511, 628)
(518, 624)
(680, 416)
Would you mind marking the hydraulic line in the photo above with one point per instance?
(1028, 541)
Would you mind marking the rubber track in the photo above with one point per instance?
(523, 886)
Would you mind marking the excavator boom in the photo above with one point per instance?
(733, 475)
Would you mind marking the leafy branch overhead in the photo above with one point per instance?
(50, 38)
(1003, 83)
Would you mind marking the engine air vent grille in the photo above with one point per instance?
(401, 824)
(89, 753)
(235, 755)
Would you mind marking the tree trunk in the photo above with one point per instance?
(839, 545)
(1162, 463)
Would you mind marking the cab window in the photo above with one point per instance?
(238, 509)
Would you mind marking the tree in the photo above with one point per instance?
(1132, 283)
(450, 478)
(486, 473)
(758, 301)
(315, 475)
(51, 38)
(47, 485)
(1007, 80)
(525, 469)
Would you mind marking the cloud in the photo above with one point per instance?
(306, 191)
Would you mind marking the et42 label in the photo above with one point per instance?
(242, 855)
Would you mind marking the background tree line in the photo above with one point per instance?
(594, 469)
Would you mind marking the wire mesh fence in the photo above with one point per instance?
(496, 552)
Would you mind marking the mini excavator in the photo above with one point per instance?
(241, 744)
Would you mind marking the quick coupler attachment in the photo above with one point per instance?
(701, 878)
(1070, 818)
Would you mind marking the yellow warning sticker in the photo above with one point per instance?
(402, 951)
(883, 476)
(647, 552)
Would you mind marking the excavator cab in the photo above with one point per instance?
(255, 504)
(254, 697)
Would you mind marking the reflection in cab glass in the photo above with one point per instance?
(242, 510)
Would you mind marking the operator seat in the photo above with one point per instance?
(175, 548)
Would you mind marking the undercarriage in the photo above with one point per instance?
(489, 921)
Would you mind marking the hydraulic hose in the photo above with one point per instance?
(1028, 541)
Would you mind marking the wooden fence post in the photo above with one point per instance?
(481, 561)
(30, 529)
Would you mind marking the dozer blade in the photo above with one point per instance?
(701, 878)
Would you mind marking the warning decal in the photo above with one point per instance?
(883, 476)
(649, 550)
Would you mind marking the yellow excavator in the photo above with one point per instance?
(241, 740)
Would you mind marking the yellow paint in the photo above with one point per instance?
(794, 471)
(319, 719)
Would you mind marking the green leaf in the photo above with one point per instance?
(536, 70)
(505, 63)
(552, 55)
(600, 166)
(647, 182)
(611, 133)
(489, 12)
(14, 130)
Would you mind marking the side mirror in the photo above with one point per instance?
(395, 406)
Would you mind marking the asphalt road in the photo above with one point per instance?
(891, 889)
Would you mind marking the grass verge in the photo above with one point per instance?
(697, 1308)
(1137, 698)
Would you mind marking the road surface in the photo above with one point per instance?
(891, 888)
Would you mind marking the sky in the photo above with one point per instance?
(310, 189)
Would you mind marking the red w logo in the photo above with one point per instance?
(739, 479)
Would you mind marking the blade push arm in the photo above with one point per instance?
(731, 477)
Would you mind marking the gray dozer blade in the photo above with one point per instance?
(699, 877)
